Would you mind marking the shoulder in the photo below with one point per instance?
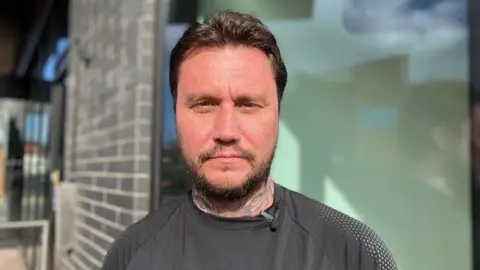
(131, 240)
(340, 237)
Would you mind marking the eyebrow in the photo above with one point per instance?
(196, 97)
(254, 97)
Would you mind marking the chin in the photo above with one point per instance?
(227, 185)
(226, 180)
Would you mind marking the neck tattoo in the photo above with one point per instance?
(251, 206)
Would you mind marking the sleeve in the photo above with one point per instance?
(119, 255)
(373, 252)
(383, 258)
(113, 259)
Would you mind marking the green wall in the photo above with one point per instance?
(358, 134)
(416, 197)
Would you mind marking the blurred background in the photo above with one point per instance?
(380, 120)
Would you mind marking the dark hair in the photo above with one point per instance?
(228, 28)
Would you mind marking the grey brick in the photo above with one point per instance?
(142, 204)
(120, 200)
(94, 195)
(112, 231)
(143, 185)
(105, 96)
(74, 262)
(80, 166)
(95, 167)
(146, 62)
(107, 182)
(133, 9)
(127, 184)
(143, 166)
(125, 132)
(84, 232)
(85, 154)
(145, 112)
(66, 263)
(144, 92)
(129, 112)
(85, 206)
(86, 261)
(105, 213)
(109, 151)
(126, 166)
(126, 219)
(81, 192)
(128, 149)
(147, 42)
(98, 139)
(92, 222)
(81, 218)
(114, 135)
(127, 84)
(91, 251)
(144, 130)
(102, 95)
(143, 148)
(101, 242)
(130, 31)
(83, 180)
(143, 75)
(113, 106)
(109, 121)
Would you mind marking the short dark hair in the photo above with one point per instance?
(228, 28)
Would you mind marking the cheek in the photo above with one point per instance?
(261, 134)
(193, 134)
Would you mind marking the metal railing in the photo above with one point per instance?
(28, 208)
(44, 225)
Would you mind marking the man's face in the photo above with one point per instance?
(227, 119)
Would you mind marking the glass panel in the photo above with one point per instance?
(374, 120)
(174, 174)
(11, 180)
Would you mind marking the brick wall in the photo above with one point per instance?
(108, 121)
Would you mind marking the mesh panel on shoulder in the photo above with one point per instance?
(362, 233)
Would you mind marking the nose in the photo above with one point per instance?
(226, 130)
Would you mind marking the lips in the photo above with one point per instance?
(227, 156)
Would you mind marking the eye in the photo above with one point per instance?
(204, 106)
(247, 105)
(204, 103)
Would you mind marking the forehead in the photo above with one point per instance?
(232, 67)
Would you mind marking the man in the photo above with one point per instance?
(227, 79)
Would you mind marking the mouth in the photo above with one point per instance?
(227, 157)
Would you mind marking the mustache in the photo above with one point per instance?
(209, 154)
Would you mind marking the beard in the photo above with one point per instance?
(253, 182)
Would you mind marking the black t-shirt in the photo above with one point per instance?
(295, 233)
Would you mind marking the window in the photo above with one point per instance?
(375, 117)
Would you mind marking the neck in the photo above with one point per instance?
(252, 205)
